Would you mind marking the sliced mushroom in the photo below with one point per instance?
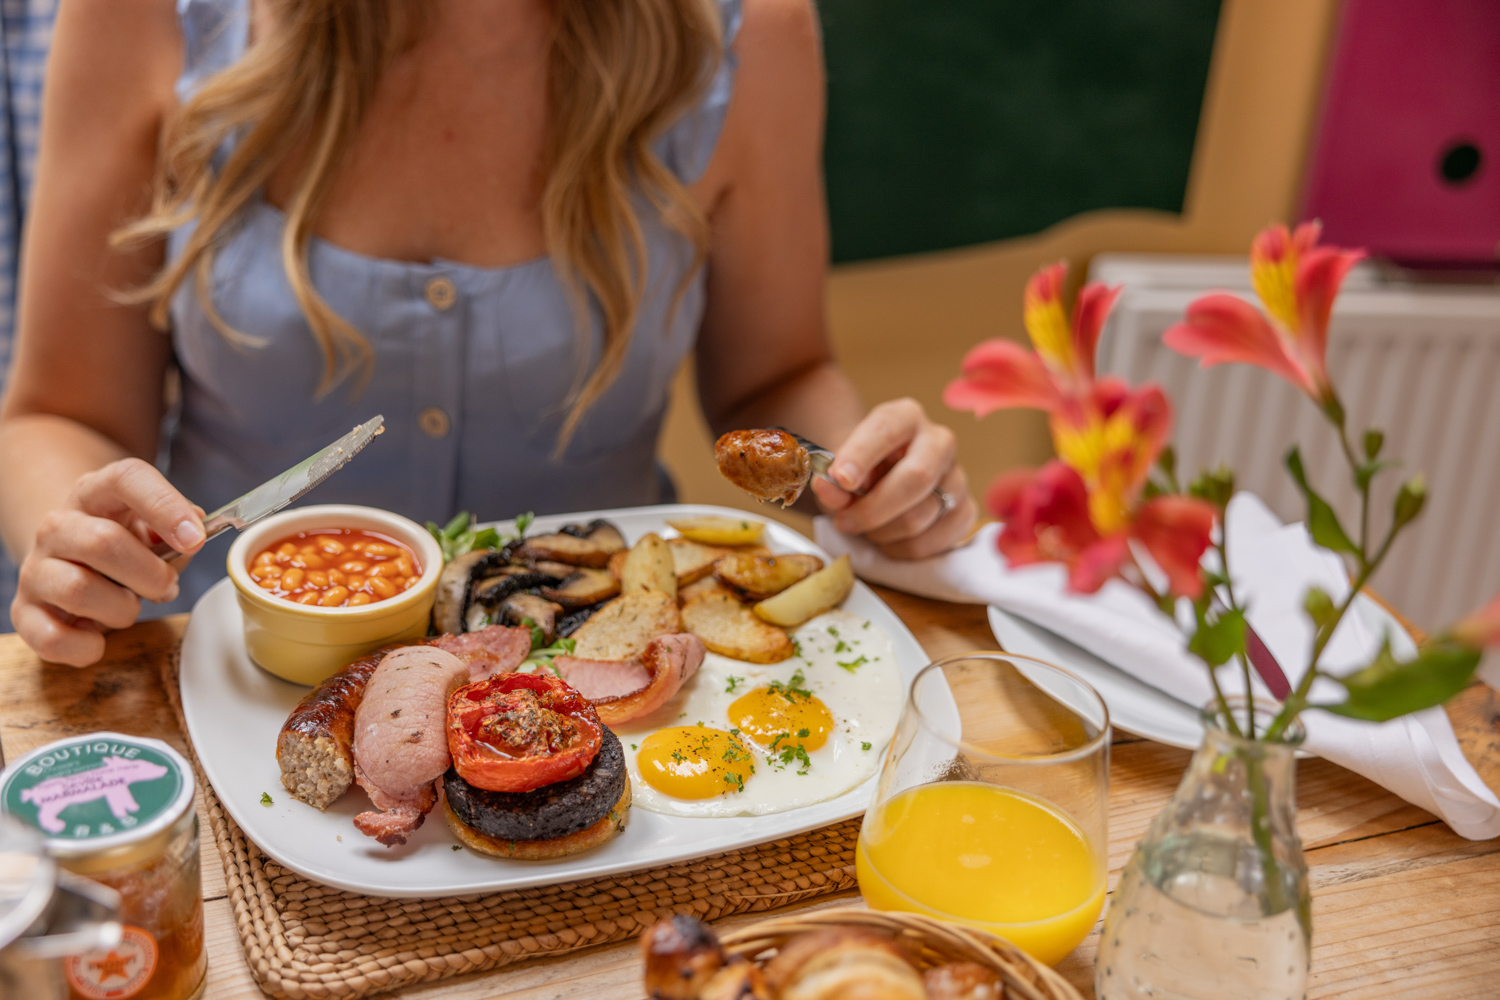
(453, 587)
(491, 591)
(598, 531)
(576, 544)
(517, 609)
(476, 617)
(557, 570)
(584, 587)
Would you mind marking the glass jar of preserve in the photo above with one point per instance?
(119, 810)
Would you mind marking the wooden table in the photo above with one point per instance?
(1402, 907)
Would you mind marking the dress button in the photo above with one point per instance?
(441, 294)
(434, 422)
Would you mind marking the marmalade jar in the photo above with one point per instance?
(119, 810)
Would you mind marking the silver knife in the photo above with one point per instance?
(274, 494)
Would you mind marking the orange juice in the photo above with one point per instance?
(985, 856)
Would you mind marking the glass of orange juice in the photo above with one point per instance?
(992, 806)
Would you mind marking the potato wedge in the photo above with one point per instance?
(719, 530)
(810, 597)
(691, 561)
(625, 626)
(758, 577)
(649, 566)
(700, 588)
(728, 628)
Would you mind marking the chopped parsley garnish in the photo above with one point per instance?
(265, 799)
(796, 645)
(736, 780)
(865, 625)
(842, 647)
(853, 664)
(833, 631)
(678, 757)
(865, 746)
(797, 753)
(777, 742)
(455, 847)
(794, 688)
(804, 733)
(633, 746)
(734, 682)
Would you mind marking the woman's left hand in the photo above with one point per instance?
(902, 460)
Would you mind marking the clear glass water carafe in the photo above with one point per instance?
(1214, 903)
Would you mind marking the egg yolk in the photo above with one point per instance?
(797, 717)
(694, 762)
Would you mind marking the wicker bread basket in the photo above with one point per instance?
(929, 941)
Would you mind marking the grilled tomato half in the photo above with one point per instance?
(518, 732)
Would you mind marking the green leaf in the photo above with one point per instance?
(1388, 688)
(1319, 606)
(1215, 642)
(1365, 472)
(1409, 502)
(1154, 489)
(523, 523)
(459, 523)
(1374, 441)
(1322, 522)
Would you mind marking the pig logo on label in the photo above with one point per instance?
(110, 782)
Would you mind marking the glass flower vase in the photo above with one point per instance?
(1214, 903)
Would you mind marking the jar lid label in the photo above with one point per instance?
(97, 791)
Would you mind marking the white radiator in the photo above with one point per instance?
(1420, 361)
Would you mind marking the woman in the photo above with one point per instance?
(500, 223)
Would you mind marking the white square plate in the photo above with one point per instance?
(235, 711)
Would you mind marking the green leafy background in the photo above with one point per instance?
(954, 122)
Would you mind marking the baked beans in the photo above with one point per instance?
(336, 568)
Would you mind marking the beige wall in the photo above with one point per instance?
(901, 326)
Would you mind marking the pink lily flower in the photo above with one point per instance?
(1001, 374)
(1297, 281)
(1047, 519)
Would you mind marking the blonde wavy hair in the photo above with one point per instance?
(620, 72)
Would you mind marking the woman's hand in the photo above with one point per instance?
(92, 558)
(900, 458)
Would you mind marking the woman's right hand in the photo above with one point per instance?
(92, 562)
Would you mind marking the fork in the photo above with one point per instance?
(820, 460)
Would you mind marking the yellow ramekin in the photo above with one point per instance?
(306, 644)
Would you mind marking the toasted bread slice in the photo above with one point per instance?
(730, 629)
(692, 561)
(759, 577)
(624, 627)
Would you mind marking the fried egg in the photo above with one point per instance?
(750, 738)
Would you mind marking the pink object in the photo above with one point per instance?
(401, 737)
(492, 650)
(600, 679)
(111, 783)
(1406, 160)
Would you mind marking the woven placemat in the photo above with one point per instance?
(304, 939)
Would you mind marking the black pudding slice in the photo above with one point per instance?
(550, 811)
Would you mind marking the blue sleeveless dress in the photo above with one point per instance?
(473, 366)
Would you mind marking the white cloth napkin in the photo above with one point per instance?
(1416, 756)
